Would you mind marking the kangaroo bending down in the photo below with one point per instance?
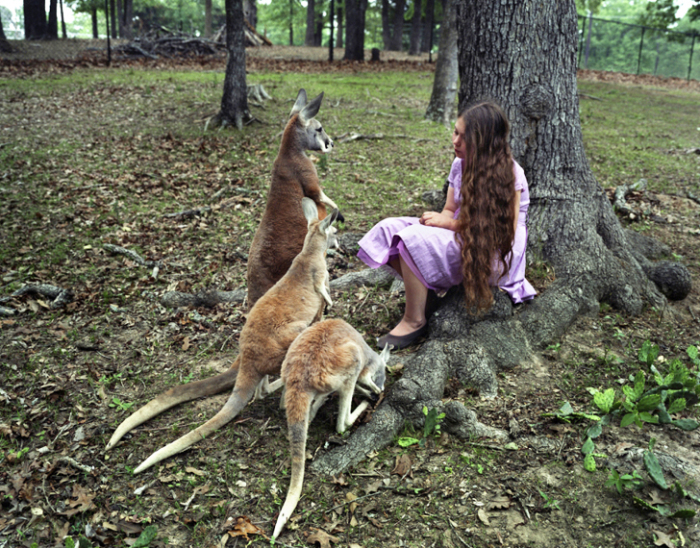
(280, 235)
(288, 308)
(330, 356)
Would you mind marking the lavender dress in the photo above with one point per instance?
(433, 254)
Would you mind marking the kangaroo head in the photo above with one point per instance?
(310, 131)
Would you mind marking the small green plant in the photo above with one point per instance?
(147, 535)
(116, 402)
(550, 503)
(431, 427)
(626, 481)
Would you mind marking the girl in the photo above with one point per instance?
(478, 239)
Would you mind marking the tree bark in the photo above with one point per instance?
(428, 25)
(318, 25)
(396, 43)
(34, 19)
(234, 103)
(115, 19)
(522, 53)
(414, 47)
(128, 22)
(63, 21)
(355, 30)
(310, 17)
(291, 22)
(442, 100)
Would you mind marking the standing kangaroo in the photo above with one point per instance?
(330, 356)
(280, 235)
(288, 308)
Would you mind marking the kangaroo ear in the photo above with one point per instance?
(311, 110)
(299, 103)
(329, 220)
(310, 209)
(385, 353)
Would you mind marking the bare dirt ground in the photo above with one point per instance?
(66, 379)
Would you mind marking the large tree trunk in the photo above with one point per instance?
(5, 46)
(414, 48)
(426, 43)
(396, 43)
(63, 21)
(523, 54)
(310, 18)
(234, 103)
(128, 22)
(442, 100)
(355, 30)
(207, 19)
(34, 19)
(318, 27)
(115, 18)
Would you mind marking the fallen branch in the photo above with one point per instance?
(75, 464)
(131, 254)
(348, 137)
(61, 297)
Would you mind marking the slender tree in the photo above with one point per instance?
(207, 19)
(531, 71)
(339, 9)
(442, 100)
(414, 48)
(234, 103)
(396, 43)
(426, 43)
(52, 23)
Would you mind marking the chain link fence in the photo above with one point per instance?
(635, 49)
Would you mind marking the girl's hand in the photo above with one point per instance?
(439, 220)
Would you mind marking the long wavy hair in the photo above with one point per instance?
(486, 219)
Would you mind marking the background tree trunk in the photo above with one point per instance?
(318, 24)
(234, 103)
(115, 18)
(355, 29)
(291, 22)
(128, 19)
(52, 24)
(250, 11)
(34, 19)
(207, 19)
(310, 19)
(339, 8)
(93, 18)
(442, 100)
(396, 43)
(5, 46)
(522, 53)
(386, 26)
(426, 43)
(63, 21)
(414, 48)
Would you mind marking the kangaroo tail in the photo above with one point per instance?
(297, 441)
(236, 402)
(175, 396)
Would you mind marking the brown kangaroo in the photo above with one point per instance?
(330, 356)
(274, 322)
(280, 235)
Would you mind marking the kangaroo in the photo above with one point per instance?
(330, 356)
(288, 308)
(280, 235)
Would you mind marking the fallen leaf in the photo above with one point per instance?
(339, 480)
(322, 538)
(373, 487)
(483, 516)
(655, 498)
(194, 471)
(83, 501)
(499, 503)
(662, 539)
(402, 466)
(244, 527)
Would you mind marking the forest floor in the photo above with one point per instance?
(89, 157)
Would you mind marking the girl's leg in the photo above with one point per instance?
(416, 296)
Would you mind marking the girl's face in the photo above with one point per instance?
(458, 141)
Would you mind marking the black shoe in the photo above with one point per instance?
(398, 342)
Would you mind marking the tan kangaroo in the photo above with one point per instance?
(274, 322)
(330, 356)
(280, 235)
